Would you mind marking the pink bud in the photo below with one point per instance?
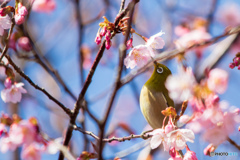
(236, 61)
(8, 83)
(169, 127)
(215, 99)
(190, 155)
(19, 19)
(2, 13)
(210, 148)
(239, 128)
(98, 39)
(108, 44)
(172, 152)
(108, 35)
(22, 11)
(239, 67)
(103, 31)
(231, 65)
(129, 43)
(24, 44)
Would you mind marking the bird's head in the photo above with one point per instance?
(159, 75)
(161, 71)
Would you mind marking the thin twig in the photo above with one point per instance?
(109, 140)
(5, 49)
(122, 5)
(233, 143)
(18, 70)
(4, 4)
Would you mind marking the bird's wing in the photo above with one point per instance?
(152, 103)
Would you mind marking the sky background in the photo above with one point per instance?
(56, 34)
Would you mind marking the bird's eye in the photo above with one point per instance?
(160, 70)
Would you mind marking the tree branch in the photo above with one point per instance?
(109, 140)
(233, 143)
(18, 70)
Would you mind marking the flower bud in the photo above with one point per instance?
(172, 152)
(24, 44)
(19, 19)
(239, 67)
(129, 43)
(22, 10)
(236, 61)
(98, 39)
(190, 155)
(231, 65)
(108, 44)
(108, 35)
(103, 31)
(169, 127)
(8, 83)
(210, 148)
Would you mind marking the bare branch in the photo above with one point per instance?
(109, 140)
(18, 70)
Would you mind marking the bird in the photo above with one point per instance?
(154, 96)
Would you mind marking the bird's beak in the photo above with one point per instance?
(154, 61)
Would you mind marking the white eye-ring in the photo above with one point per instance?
(160, 70)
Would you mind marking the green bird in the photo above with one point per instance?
(154, 96)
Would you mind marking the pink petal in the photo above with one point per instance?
(156, 141)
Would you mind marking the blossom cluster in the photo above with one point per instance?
(13, 90)
(106, 28)
(189, 36)
(139, 55)
(236, 62)
(15, 132)
(173, 138)
(209, 117)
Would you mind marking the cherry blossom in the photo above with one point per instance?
(181, 86)
(138, 56)
(218, 80)
(46, 6)
(31, 152)
(5, 23)
(54, 146)
(22, 133)
(229, 14)
(155, 41)
(14, 93)
(183, 120)
(216, 135)
(181, 30)
(6, 144)
(192, 37)
(159, 137)
(179, 137)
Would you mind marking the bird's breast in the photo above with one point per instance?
(152, 103)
